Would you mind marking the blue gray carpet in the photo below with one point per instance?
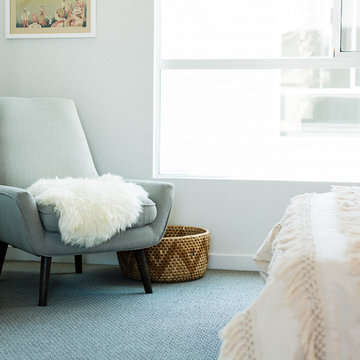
(101, 315)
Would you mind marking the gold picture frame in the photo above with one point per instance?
(50, 18)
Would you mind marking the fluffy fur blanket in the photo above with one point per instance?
(90, 211)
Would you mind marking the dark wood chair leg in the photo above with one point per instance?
(144, 271)
(3, 249)
(78, 264)
(44, 279)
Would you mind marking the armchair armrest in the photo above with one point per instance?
(162, 193)
(20, 224)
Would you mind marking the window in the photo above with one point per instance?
(257, 89)
(350, 26)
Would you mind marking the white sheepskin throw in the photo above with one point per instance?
(90, 211)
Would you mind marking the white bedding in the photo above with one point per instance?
(310, 306)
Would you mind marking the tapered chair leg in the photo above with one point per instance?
(44, 279)
(78, 264)
(144, 271)
(3, 249)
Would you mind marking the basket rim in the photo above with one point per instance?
(204, 232)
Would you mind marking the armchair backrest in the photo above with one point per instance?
(41, 137)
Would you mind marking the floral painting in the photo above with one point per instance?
(29, 18)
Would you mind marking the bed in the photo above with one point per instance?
(310, 262)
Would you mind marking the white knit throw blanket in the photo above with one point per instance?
(90, 211)
(348, 201)
(309, 308)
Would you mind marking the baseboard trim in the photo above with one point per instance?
(101, 259)
(232, 262)
(216, 261)
(19, 255)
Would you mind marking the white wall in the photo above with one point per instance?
(110, 79)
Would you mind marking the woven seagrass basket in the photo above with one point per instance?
(181, 255)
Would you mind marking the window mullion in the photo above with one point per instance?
(283, 63)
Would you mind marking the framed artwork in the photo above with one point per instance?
(50, 18)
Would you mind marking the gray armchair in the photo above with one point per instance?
(43, 137)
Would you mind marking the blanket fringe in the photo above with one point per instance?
(237, 339)
(297, 267)
(348, 206)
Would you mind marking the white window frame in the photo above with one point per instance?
(336, 60)
(337, 27)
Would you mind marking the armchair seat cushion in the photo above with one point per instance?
(50, 220)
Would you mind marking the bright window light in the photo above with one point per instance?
(350, 29)
(230, 29)
(251, 90)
